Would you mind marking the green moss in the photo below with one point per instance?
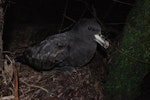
(127, 73)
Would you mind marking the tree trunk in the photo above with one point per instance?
(1, 31)
(131, 62)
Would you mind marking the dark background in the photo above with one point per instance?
(51, 11)
(47, 16)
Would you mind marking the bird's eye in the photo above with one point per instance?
(93, 29)
(89, 28)
(102, 36)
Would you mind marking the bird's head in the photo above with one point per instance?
(91, 29)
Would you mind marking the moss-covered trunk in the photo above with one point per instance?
(132, 62)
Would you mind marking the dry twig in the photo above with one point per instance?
(71, 19)
(15, 82)
(121, 2)
(65, 10)
(35, 86)
(7, 97)
(15, 73)
(131, 57)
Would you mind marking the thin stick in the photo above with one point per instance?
(115, 23)
(7, 97)
(66, 28)
(65, 10)
(15, 72)
(9, 59)
(83, 12)
(131, 57)
(125, 3)
(15, 82)
(35, 86)
(71, 19)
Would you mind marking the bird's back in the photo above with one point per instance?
(47, 54)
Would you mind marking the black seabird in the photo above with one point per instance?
(73, 48)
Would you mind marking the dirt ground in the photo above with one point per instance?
(84, 84)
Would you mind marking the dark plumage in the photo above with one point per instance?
(74, 48)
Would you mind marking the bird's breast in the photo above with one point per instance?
(82, 53)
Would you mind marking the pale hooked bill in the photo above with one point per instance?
(101, 40)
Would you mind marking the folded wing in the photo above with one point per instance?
(49, 53)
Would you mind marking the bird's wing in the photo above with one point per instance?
(49, 52)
